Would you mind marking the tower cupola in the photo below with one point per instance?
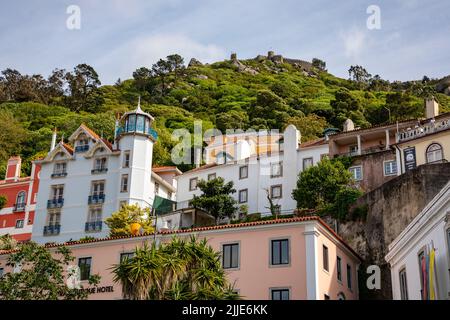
(136, 122)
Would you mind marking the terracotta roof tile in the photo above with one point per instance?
(68, 148)
(211, 228)
(90, 131)
(312, 143)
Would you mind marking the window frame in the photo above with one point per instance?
(280, 290)
(190, 184)
(349, 277)
(210, 175)
(243, 191)
(403, 285)
(427, 152)
(280, 164)
(303, 162)
(19, 227)
(126, 159)
(390, 162)
(232, 245)
(280, 186)
(241, 176)
(81, 271)
(122, 184)
(325, 258)
(339, 268)
(353, 175)
(271, 252)
(125, 254)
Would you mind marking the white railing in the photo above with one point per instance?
(424, 130)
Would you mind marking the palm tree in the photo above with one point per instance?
(178, 270)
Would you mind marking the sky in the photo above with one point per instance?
(117, 36)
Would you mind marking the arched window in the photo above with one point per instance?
(434, 152)
(20, 202)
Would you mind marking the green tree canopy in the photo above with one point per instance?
(216, 198)
(326, 187)
(42, 275)
(120, 222)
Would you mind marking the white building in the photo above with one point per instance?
(275, 173)
(429, 230)
(83, 182)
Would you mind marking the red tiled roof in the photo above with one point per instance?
(211, 228)
(90, 131)
(312, 143)
(68, 148)
(157, 169)
(108, 144)
(206, 166)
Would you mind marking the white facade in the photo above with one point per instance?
(261, 175)
(81, 186)
(430, 229)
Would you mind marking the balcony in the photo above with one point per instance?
(94, 226)
(55, 203)
(52, 230)
(429, 128)
(99, 170)
(59, 174)
(96, 199)
(82, 148)
(19, 207)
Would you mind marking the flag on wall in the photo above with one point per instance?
(432, 275)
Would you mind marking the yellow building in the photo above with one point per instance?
(427, 143)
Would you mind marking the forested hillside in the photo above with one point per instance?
(255, 93)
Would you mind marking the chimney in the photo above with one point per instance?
(197, 156)
(52, 146)
(13, 168)
(349, 125)
(431, 108)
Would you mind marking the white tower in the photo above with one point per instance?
(135, 139)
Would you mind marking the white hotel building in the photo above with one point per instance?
(255, 173)
(83, 182)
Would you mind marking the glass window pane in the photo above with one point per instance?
(226, 256)
(234, 256)
(275, 252)
(276, 295)
(140, 124)
(285, 295)
(285, 251)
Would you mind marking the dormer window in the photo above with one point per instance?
(82, 145)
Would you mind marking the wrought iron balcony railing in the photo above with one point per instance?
(93, 226)
(59, 174)
(99, 170)
(96, 199)
(55, 203)
(82, 148)
(52, 230)
(19, 207)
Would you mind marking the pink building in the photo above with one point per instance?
(294, 258)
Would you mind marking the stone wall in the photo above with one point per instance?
(390, 208)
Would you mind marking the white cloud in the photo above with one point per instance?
(355, 41)
(146, 50)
